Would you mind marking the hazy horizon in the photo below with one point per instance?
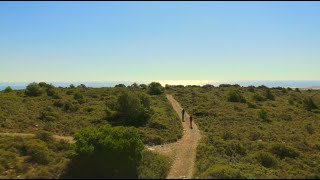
(172, 41)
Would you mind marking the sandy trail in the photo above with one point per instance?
(182, 152)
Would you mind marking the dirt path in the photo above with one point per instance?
(66, 138)
(182, 152)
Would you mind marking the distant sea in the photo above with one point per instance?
(292, 84)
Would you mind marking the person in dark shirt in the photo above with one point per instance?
(183, 114)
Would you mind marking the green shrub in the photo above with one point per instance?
(269, 95)
(221, 172)
(7, 160)
(251, 105)
(155, 88)
(70, 107)
(44, 136)
(69, 92)
(258, 97)
(310, 129)
(38, 152)
(283, 151)
(58, 103)
(120, 86)
(78, 96)
(82, 86)
(106, 152)
(153, 166)
(266, 159)
(234, 148)
(8, 89)
(33, 89)
(72, 86)
(52, 92)
(200, 112)
(143, 86)
(43, 84)
(48, 114)
(308, 104)
(262, 114)
(131, 109)
(235, 96)
(227, 136)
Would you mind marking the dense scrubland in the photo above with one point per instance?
(254, 132)
(103, 121)
(248, 132)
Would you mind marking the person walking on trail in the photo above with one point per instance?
(190, 122)
(183, 115)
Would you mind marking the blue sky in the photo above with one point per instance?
(139, 41)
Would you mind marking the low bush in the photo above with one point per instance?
(153, 166)
(262, 114)
(235, 96)
(266, 159)
(251, 105)
(258, 97)
(70, 106)
(38, 152)
(44, 136)
(221, 172)
(234, 148)
(308, 104)
(283, 151)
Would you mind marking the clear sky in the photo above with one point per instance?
(138, 41)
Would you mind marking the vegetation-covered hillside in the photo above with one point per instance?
(254, 132)
(64, 111)
(104, 121)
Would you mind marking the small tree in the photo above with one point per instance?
(131, 109)
(42, 84)
(82, 86)
(155, 88)
(71, 86)
(120, 85)
(106, 152)
(33, 89)
(8, 89)
(134, 86)
(235, 96)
